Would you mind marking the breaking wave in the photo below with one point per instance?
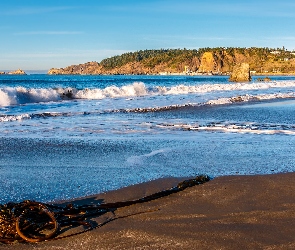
(20, 95)
(213, 102)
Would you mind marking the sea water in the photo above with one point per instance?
(68, 136)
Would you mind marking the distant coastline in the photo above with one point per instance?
(14, 72)
(179, 62)
(205, 61)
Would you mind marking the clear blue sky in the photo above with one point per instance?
(37, 34)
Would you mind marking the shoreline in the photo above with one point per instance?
(44, 72)
(176, 74)
(228, 212)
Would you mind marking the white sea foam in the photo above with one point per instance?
(247, 98)
(10, 118)
(242, 128)
(245, 130)
(183, 89)
(4, 99)
(42, 95)
(138, 89)
(20, 95)
(7, 97)
(139, 159)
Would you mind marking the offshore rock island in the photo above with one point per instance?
(204, 61)
(15, 72)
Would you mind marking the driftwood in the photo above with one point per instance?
(31, 221)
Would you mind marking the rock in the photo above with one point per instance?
(89, 68)
(241, 73)
(55, 71)
(17, 72)
(207, 63)
(266, 79)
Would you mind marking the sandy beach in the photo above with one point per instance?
(246, 212)
(109, 108)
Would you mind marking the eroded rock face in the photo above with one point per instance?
(207, 63)
(241, 73)
(94, 68)
(80, 69)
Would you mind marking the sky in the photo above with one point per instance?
(39, 35)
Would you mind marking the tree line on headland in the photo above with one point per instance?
(189, 61)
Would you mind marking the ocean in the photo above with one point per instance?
(70, 136)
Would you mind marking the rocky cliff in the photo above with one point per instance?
(208, 63)
(94, 68)
(206, 60)
(86, 68)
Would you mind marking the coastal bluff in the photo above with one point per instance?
(204, 61)
(207, 63)
(80, 69)
(95, 68)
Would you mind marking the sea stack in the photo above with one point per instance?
(241, 73)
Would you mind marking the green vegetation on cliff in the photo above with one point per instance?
(205, 60)
(151, 58)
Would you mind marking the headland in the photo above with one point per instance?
(204, 61)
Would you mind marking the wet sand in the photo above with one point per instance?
(232, 212)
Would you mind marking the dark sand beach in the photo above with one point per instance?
(232, 212)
